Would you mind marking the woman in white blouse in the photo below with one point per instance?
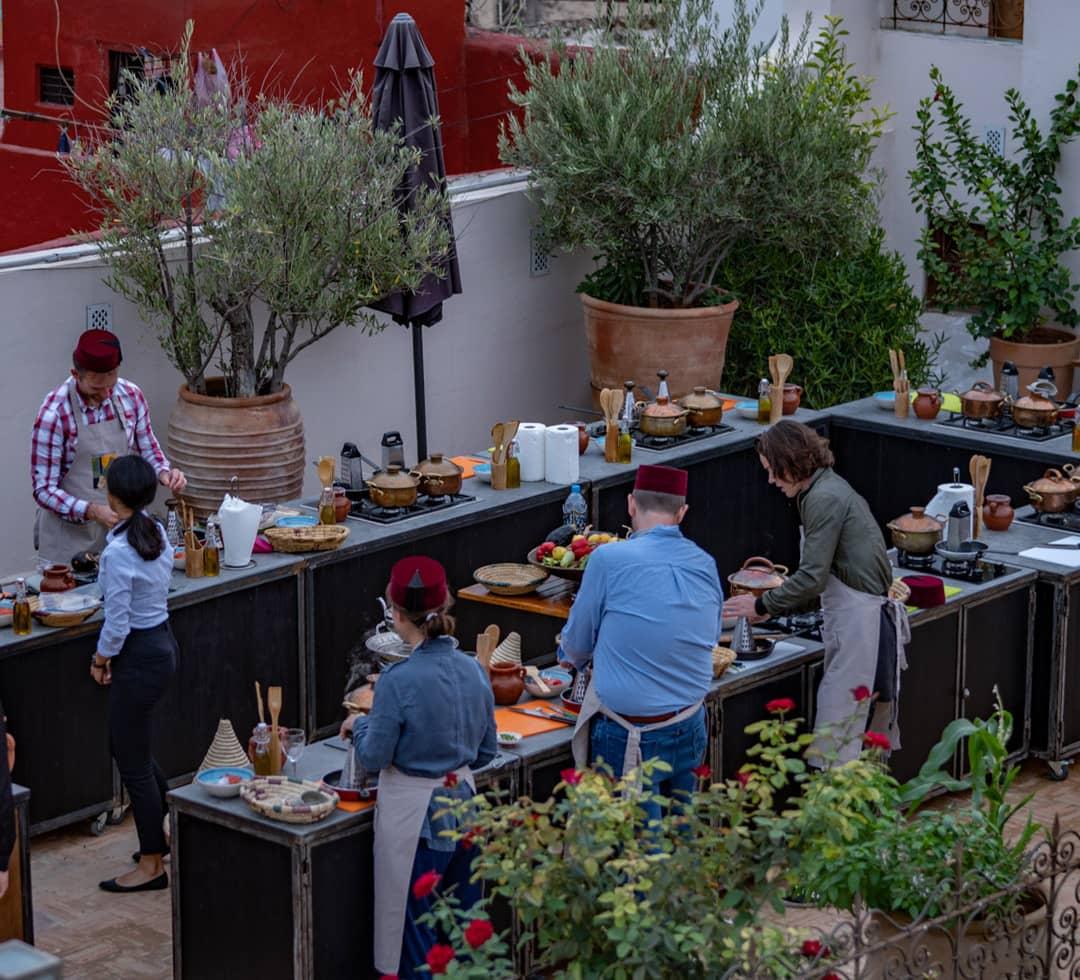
(136, 657)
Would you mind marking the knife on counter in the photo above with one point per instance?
(565, 718)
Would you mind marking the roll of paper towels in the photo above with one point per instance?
(531, 455)
(561, 454)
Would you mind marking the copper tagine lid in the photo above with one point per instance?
(1052, 481)
(983, 391)
(437, 465)
(663, 409)
(917, 520)
(1041, 397)
(392, 478)
(758, 575)
(701, 400)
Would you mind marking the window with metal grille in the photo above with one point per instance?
(56, 86)
(1001, 19)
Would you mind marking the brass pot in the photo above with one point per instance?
(981, 401)
(756, 577)
(438, 477)
(661, 418)
(393, 488)
(705, 407)
(1052, 493)
(916, 533)
(1037, 410)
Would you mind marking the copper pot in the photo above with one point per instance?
(705, 407)
(1038, 409)
(393, 488)
(661, 418)
(916, 533)
(981, 401)
(438, 477)
(1052, 493)
(756, 577)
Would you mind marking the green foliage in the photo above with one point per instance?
(837, 316)
(265, 206)
(662, 148)
(1012, 271)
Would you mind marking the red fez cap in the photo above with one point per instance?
(661, 479)
(418, 584)
(98, 350)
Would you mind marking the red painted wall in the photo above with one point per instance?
(295, 46)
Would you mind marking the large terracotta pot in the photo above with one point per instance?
(1052, 347)
(260, 440)
(634, 342)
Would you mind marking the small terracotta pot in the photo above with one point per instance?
(57, 578)
(341, 505)
(792, 398)
(507, 682)
(927, 403)
(997, 512)
(582, 438)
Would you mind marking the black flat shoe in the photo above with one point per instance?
(137, 855)
(160, 883)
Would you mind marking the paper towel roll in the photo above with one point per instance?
(561, 454)
(530, 440)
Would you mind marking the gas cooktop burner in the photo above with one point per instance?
(363, 509)
(975, 570)
(660, 443)
(905, 560)
(800, 624)
(1003, 425)
(1067, 520)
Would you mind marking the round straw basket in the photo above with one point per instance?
(297, 540)
(509, 578)
(282, 798)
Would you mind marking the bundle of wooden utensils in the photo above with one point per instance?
(780, 366)
(502, 434)
(979, 467)
(900, 383)
(273, 704)
(611, 402)
(193, 547)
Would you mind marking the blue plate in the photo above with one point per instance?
(885, 399)
(210, 780)
(300, 520)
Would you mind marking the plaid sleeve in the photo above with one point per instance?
(140, 433)
(47, 445)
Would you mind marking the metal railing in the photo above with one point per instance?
(987, 18)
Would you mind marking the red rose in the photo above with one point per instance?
(703, 771)
(439, 957)
(570, 776)
(860, 693)
(469, 840)
(425, 884)
(743, 778)
(777, 706)
(389, 976)
(451, 780)
(832, 976)
(478, 932)
(813, 947)
(875, 740)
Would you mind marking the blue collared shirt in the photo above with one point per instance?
(648, 615)
(136, 591)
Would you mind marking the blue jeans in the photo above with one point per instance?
(681, 746)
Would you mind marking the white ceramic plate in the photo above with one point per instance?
(509, 738)
(748, 410)
(885, 400)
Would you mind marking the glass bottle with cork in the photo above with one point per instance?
(764, 401)
(326, 506)
(212, 549)
(513, 467)
(21, 623)
(261, 750)
(626, 420)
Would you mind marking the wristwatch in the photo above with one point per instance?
(95, 665)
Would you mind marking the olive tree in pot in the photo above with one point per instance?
(1005, 227)
(245, 230)
(665, 144)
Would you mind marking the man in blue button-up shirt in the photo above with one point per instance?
(647, 616)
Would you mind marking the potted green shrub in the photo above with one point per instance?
(664, 144)
(245, 230)
(1007, 234)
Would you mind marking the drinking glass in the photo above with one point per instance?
(294, 743)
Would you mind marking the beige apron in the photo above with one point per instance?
(58, 540)
(592, 706)
(400, 809)
(851, 631)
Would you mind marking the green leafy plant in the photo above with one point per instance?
(837, 316)
(1002, 214)
(662, 146)
(246, 230)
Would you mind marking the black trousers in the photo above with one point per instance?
(141, 672)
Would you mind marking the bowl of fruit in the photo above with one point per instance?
(566, 552)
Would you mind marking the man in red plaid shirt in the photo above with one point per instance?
(82, 425)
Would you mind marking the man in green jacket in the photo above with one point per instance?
(845, 564)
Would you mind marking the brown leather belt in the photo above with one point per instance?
(650, 719)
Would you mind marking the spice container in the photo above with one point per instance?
(327, 514)
(513, 467)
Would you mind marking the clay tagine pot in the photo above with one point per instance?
(507, 682)
(57, 578)
(341, 505)
(792, 398)
(757, 576)
(927, 403)
(997, 512)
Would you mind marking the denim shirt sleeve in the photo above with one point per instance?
(116, 579)
(579, 635)
(376, 740)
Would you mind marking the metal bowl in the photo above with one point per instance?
(367, 793)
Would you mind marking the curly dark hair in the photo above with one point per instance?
(794, 451)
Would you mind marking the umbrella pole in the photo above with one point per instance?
(418, 390)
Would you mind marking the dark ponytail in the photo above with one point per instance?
(132, 481)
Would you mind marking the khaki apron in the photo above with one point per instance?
(592, 706)
(851, 631)
(58, 540)
(400, 809)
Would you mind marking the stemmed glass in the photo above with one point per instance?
(294, 744)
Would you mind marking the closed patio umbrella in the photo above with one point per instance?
(404, 94)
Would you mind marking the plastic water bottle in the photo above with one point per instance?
(575, 511)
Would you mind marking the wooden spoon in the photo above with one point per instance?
(772, 368)
(498, 440)
(784, 364)
(483, 650)
(894, 363)
(538, 680)
(258, 696)
(510, 431)
(273, 702)
(979, 467)
(493, 634)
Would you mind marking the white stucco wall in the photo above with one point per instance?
(511, 346)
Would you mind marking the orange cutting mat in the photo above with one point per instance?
(526, 725)
(354, 806)
(729, 404)
(467, 464)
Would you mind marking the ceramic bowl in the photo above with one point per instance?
(224, 781)
(557, 679)
(569, 703)
(482, 471)
(509, 738)
(748, 410)
(885, 400)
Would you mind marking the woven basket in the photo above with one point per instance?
(722, 658)
(61, 618)
(278, 798)
(297, 540)
(510, 578)
(225, 749)
(899, 591)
